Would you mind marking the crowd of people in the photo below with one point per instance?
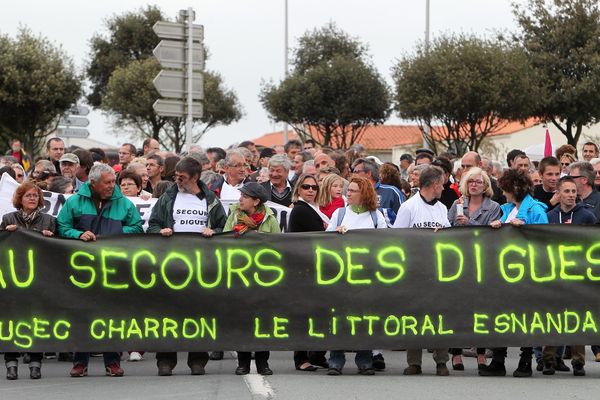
(327, 190)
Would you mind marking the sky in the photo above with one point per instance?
(246, 39)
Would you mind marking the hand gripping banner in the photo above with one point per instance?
(392, 288)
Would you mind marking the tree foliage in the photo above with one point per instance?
(38, 82)
(464, 88)
(122, 70)
(333, 90)
(561, 38)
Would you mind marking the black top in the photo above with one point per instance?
(305, 219)
(498, 197)
(448, 195)
(541, 195)
(285, 198)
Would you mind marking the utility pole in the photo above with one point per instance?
(285, 63)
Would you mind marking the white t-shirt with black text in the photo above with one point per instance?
(416, 213)
(189, 213)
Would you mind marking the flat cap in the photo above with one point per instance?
(255, 190)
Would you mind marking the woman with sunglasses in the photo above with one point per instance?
(360, 213)
(306, 217)
(29, 202)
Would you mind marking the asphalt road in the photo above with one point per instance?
(141, 382)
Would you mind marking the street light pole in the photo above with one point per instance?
(285, 63)
(426, 130)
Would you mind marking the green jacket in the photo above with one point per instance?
(117, 215)
(269, 224)
(162, 212)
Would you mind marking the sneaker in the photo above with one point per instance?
(35, 372)
(164, 368)
(561, 366)
(441, 369)
(114, 369)
(332, 371)
(366, 371)
(197, 368)
(578, 370)
(135, 356)
(413, 370)
(548, 369)
(79, 370)
(378, 362)
(495, 368)
(523, 369)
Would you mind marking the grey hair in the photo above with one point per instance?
(230, 154)
(280, 160)
(586, 170)
(369, 166)
(134, 166)
(595, 161)
(97, 170)
(200, 156)
(430, 176)
(245, 152)
(309, 163)
(47, 165)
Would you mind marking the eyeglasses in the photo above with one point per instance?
(475, 181)
(305, 186)
(564, 164)
(573, 176)
(466, 166)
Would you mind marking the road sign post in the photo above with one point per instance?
(181, 54)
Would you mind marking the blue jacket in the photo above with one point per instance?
(579, 215)
(530, 212)
(389, 200)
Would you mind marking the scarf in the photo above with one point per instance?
(29, 218)
(358, 209)
(247, 222)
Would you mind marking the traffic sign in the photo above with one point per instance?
(78, 110)
(72, 133)
(74, 121)
(173, 54)
(173, 84)
(176, 108)
(176, 31)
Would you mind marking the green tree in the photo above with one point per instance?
(333, 92)
(122, 70)
(38, 82)
(464, 88)
(561, 40)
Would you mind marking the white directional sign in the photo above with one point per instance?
(176, 108)
(78, 110)
(74, 121)
(174, 30)
(72, 133)
(173, 84)
(172, 54)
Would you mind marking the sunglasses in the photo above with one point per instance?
(305, 186)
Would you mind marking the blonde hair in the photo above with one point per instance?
(474, 171)
(324, 196)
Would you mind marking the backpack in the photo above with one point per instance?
(342, 213)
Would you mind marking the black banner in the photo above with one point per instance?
(392, 288)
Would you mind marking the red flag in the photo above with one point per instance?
(548, 145)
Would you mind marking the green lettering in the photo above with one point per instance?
(13, 270)
(169, 326)
(276, 269)
(409, 323)
(479, 327)
(370, 319)
(57, 325)
(575, 316)
(320, 252)
(280, 327)
(590, 259)
(27, 340)
(106, 270)
(391, 319)
(353, 319)
(186, 262)
(356, 267)
(554, 321)
(134, 329)
(8, 336)
(311, 330)
(564, 263)
(512, 266)
(119, 330)
(219, 276)
(151, 325)
(441, 330)
(501, 324)
(257, 332)
(239, 271)
(381, 259)
(93, 332)
(537, 323)
(187, 322)
(439, 249)
(39, 328)
(211, 329)
(134, 272)
(427, 326)
(478, 264)
(522, 323)
(589, 323)
(89, 269)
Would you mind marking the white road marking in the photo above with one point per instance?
(257, 384)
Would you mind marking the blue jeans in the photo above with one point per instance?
(537, 351)
(84, 358)
(363, 359)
